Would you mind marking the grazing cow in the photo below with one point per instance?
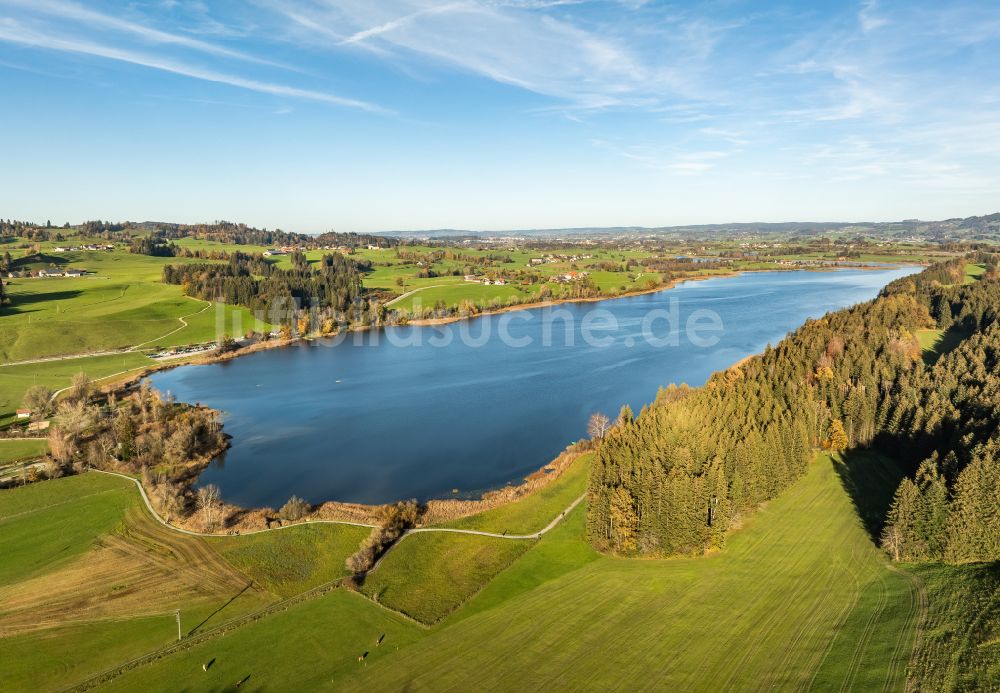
(380, 639)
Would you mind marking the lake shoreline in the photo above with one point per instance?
(250, 518)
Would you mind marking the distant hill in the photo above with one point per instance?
(981, 228)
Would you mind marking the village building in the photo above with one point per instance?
(23, 413)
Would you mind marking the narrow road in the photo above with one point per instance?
(116, 352)
(282, 605)
(70, 357)
(534, 535)
(156, 515)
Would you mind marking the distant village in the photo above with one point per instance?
(77, 248)
(289, 249)
(46, 273)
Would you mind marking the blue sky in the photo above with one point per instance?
(362, 115)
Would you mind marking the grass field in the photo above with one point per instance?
(293, 560)
(973, 272)
(310, 646)
(960, 648)
(16, 450)
(430, 574)
(16, 379)
(799, 598)
(452, 294)
(936, 343)
(763, 614)
(43, 526)
(88, 579)
(120, 304)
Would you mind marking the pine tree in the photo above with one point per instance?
(900, 537)
(932, 526)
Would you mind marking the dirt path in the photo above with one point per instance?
(535, 535)
(413, 291)
(208, 304)
(116, 352)
(156, 515)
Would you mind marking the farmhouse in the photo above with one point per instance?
(74, 272)
(23, 413)
(50, 273)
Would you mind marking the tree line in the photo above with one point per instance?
(232, 233)
(332, 283)
(697, 460)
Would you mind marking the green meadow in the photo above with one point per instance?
(14, 450)
(799, 598)
(89, 580)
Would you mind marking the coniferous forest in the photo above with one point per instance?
(676, 478)
(333, 283)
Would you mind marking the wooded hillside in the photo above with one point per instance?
(695, 462)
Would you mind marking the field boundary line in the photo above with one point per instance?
(192, 640)
(319, 590)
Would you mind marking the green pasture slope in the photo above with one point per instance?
(120, 304)
(51, 527)
(290, 561)
(431, 573)
(800, 598)
(44, 525)
(14, 450)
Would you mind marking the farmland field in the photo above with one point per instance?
(799, 597)
(14, 450)
(83, 559)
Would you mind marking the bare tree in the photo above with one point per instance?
(892, 541)
(38, 399)
(598, 425)
(168, 497)
(209, 499)
(63, 445)
(81, 387)
(294, 509)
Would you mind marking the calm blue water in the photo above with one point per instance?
(387, 415)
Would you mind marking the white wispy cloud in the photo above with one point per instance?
(90, 18)
(522, 44)
(13, 31)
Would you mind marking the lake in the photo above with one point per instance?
(417, 412)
